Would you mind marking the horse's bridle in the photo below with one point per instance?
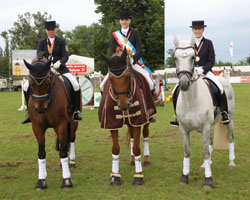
(189, 74)
(39, 83)
(128, 91)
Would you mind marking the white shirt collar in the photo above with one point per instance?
(51, 40)
(124, 31)
(198, 41)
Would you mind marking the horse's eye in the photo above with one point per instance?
(192, 57)
(175, 58)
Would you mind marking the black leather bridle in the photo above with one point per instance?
(128, 91)
(188, 73)
(39, 81)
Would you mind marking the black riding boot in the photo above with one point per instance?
(175, 96)
(27, 96)
(77, 105)
(224, 108)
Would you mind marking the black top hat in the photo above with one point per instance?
(198, 24)
(124, 15)
(49, 25)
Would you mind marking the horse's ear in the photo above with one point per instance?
(192, 40)
(176, 41)
(124, 54)
(105, 58)
(29, 66)
(48, 64)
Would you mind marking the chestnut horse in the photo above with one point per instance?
(121, 95)
(130, 137)
(49, 108)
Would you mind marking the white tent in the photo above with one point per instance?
(80, 64)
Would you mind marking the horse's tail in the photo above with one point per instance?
(128, 138)
(220, 136)
(68, 138)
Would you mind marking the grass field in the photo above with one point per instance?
(18, 159)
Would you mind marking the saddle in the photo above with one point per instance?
(68, 89)
(214, 91)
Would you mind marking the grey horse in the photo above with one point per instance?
(195, 109)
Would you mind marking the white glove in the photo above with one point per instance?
(57, 64)
(199, 70)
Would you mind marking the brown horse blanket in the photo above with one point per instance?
(141, 109)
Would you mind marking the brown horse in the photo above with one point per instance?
(130, 136)
(126, 99)
(49, 108)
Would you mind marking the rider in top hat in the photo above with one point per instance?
(56, 49)
(131, 39)
(204, 61)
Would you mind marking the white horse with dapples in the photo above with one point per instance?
(195, 110)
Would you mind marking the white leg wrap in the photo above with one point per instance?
(186, 166)
(145, 74)
(138, 167)
(42, 173)
(115, 164)
(146, 147)
(231, 151)
(210, 148)
(72, 154)
(65, 168)
(73, 81)
(131, 146)
(208, 172)
(103, 82)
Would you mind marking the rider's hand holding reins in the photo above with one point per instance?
(199, 70)
(57, 64)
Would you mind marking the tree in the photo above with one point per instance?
(81, 40)
(5, 56)
(170, 62)
(148, 19)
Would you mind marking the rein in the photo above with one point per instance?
(131, 73)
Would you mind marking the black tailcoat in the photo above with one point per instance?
(206, 55)
(59, 52)
(134, 38)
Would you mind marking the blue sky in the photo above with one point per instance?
(226, 20)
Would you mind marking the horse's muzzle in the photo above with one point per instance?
(184, 82)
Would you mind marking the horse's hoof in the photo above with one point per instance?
(115, 179)
(67, 183)
(41, 184)
(183, 180)
(232, 165)
(208, 183)
(72, 164)
(146, 163)
(138, 179)
(132, 163)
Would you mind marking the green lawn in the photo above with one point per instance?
(19, 173)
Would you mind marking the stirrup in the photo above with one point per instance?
(225, 118)
(77, 116)
(174, 123)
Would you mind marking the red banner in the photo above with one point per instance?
(77, 68)
(245, 79)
